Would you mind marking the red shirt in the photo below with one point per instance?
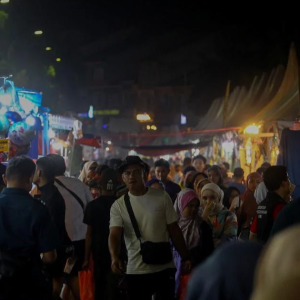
(276, 212)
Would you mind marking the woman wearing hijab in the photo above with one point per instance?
(226, 275)
(223, 221)
(88, 172)
(249, 206)
(196, 232)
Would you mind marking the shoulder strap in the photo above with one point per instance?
(132, 217)
(71, 192)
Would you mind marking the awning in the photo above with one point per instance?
(165, 149)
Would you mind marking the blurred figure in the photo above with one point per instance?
(99, 170)
(277, 281)
(200, 186)
(227, 275)
(249, 206)
(2, 172)
(152, 173)
(279, 190)
(260, 193)
(198, 177)
(266, 165)
(162, 170)
(207, 167)
(178, 174)
(234, 199)
(199, 163)
(226, 174)
(186, 162)
(155, 184)
(88, 172)
(238, 180)
(94, 188)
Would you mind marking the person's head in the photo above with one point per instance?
(45, 171)
(162, 169)
(212, 193)
(20, 172)
(224, 169)
(177, 168)
(283, 248)
(238, 175)
(231, 193)
(253, 180)
(188, 179)
(199, 163)
(114, 163)
(201, 184)
(94, 188)
(155, 184)
(215, 175)
(91, 171)
(88, 172)
(277, 180)
(187, 162)
(198, 177)
(266, 165)
(99, 171)
(109, 182)
(188, 204)
(60, 164)
(207, 167)
(133, 173)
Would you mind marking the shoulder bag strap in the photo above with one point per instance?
(132, 217)
(71, 192)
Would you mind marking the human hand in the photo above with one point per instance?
(117, 267)
(209, 207)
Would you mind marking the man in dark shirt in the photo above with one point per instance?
(97, 216)
(162, 170)
(26, 232)
(51, 197)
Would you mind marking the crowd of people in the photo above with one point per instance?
(140, 230)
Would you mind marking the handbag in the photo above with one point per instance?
(152, 253)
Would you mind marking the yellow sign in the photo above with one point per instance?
(106, 112)
(4, 145)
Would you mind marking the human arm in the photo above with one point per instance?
(114, 244)
(49, 257)
(115, 238)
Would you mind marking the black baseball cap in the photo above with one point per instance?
(109, 179)
(131, 160)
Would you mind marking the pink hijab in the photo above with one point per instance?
(189, 227)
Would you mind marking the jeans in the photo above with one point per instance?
(160, 284)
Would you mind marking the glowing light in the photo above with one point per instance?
(153, 127)
(48, 48)
(252, 129)
(4, 1)
(109, 142)
(183, 120)
(277, 152)
(58, 59)
(51, 133)
(91, 112)
(38, 32)
(3, 110)
(107, 148)
(148, 127)
(30, 120)
(143, 117)
(26, 104)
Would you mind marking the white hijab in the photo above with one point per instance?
(260, 193)
(220, 194)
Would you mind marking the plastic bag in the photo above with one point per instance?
(86, 285)
(183, 285)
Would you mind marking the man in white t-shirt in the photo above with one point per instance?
(157, 222)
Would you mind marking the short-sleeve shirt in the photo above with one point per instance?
(153, 212)
(26, 227)
(75, 227)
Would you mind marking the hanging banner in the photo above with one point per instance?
(4, 145)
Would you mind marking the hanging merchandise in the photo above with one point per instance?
(13, 117)
(21, 133)
(4, 126)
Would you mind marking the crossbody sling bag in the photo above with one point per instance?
(152, 253)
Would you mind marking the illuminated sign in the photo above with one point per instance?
(4, 145)
(106, 112)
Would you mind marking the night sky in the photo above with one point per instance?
(236, 45)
